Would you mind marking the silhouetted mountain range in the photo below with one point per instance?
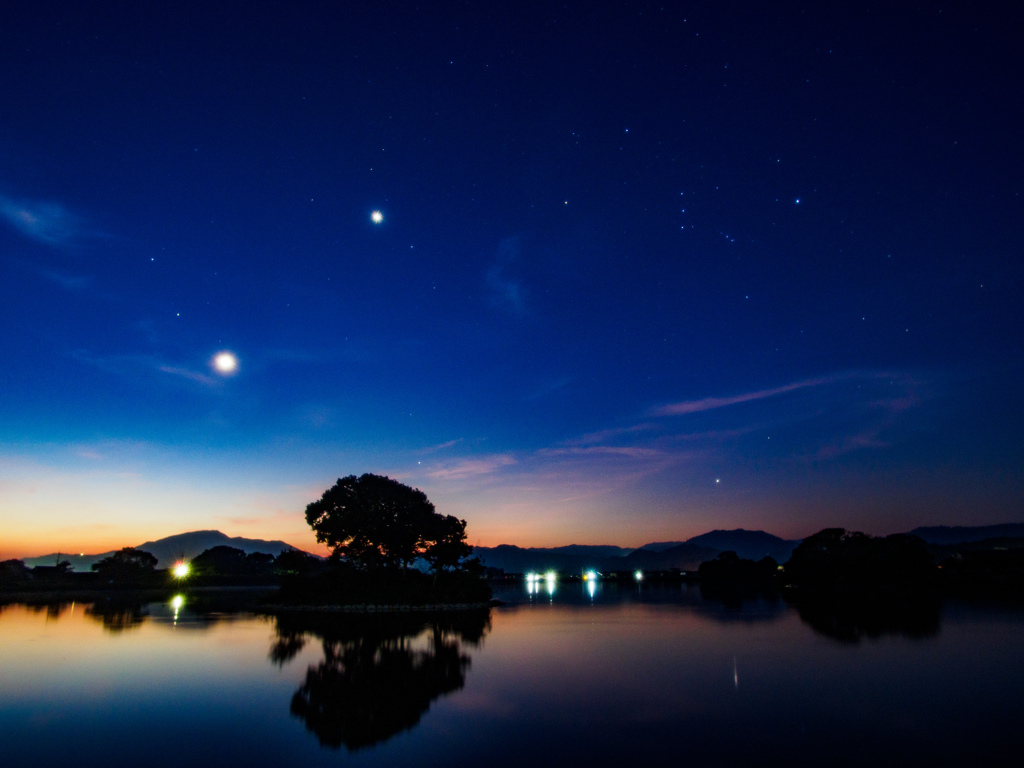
(687, 555)
(171, 548)
(750, 545)
(570, 559)
(574, 558)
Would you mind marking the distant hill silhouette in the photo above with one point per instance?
(569, 559)
(959, 534)
(573, 558)
(170, 548)
(749, 545)
(661, 546)
(686, 557)
(657, 556)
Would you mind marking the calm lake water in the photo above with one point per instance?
(625, 676)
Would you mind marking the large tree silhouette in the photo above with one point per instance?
(376, 522)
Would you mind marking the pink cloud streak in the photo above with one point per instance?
(711, 403)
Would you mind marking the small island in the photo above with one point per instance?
(389, 548)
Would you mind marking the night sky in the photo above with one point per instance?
(642, 270)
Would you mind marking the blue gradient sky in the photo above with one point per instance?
(642, 272)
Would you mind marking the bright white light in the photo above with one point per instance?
(639, 575)
(377, 217)
(177, 602)
(590, 576)
(225, 363)
(180, 570)
(550, 579)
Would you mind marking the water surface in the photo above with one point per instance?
(620, 676)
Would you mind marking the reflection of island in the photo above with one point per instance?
(851, 619)
(117, 616)
(379, 673)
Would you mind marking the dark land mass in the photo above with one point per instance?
(340, 584)
(958, 534)
(172, 548)
(833, 563)
(570, 559)
(685, 557)
(752, 545)
(573, 558)
(661, 546)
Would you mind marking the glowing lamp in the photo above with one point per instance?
(180, 570)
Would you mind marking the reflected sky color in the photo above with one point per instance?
(588, 681)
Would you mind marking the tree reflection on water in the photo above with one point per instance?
(118, 616)
(379, 673)
(852, 619)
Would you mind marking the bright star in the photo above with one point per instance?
(377, 217)
(225, 363)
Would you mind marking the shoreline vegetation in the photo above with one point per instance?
(391, 551)
(833, 564)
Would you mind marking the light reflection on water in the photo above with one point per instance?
(559, 675)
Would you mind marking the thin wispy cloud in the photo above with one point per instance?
(605, 435)
(43, 222)
(711, 403)
(133, 366)
(440, 447)
(548, 388)
(506, 291)
(869, 438)
(202, 378)
(467, 468)
(625, 451)
(67, 281)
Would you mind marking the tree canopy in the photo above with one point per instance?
(127, 563)
(376, 522)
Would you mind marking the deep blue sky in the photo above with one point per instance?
(643, 271)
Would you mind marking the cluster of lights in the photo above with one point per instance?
(533, 581)
(549, 577)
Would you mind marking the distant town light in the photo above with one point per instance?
(180, 570)
(639, 575)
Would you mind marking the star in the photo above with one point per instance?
(377, 217)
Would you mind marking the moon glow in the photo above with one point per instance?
(225, 363)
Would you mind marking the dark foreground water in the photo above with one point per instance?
(622, 677)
